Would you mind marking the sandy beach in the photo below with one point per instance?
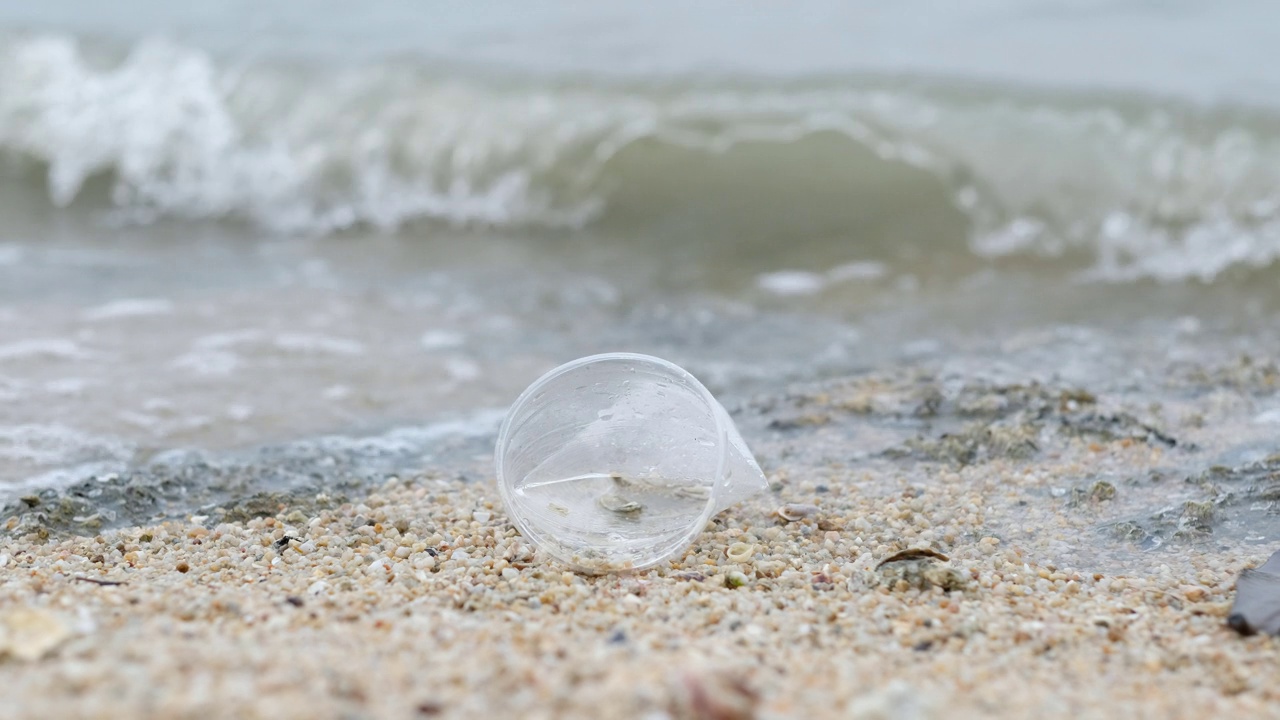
(417, 598)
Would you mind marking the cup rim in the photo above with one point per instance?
(713, 406)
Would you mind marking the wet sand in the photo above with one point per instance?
(1052, 586)
(422, 601)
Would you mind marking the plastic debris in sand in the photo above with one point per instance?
(616, 462)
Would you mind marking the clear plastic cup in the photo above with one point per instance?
(617, 461)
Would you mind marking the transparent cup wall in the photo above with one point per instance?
(618, 461)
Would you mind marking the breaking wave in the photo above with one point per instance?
(1141, 188)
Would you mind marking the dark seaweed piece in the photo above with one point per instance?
(98, 581)
(1257, 605)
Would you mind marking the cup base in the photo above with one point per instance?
(605, 522)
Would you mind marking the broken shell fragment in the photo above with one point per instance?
(912, 554)
(792, 512)
(740, 552)
(619, 504)
(31, 633)
(718, 695)
(918, 568)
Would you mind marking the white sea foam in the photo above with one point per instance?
(462, 369)
(318, 344)
(42, 348)
(219, 341)
(441, 339)
(791, 282)
(54, 444)
(418, 439)
(867, 270)
(208, 362)
(137, 307)
(61, 477)
(68, 386)
(1268, 417)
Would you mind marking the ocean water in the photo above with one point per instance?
(225, 226)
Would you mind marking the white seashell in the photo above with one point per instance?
(31, 633)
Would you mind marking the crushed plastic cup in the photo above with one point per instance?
(618, 461)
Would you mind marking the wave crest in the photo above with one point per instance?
(1146, 190)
